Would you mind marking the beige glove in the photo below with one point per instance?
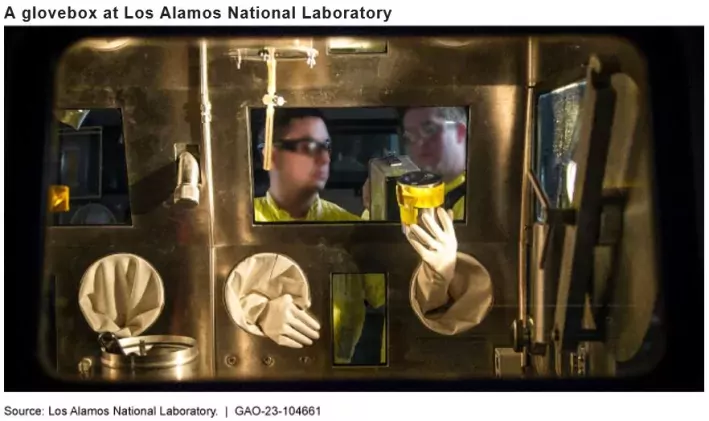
(121, 294)
(265, 295)
(287, 325)
(451, 292)
(438, 251)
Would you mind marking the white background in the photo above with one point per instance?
(393, 406)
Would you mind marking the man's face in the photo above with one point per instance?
(433, 143)
(300, 165)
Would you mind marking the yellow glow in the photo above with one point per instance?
(58, 198)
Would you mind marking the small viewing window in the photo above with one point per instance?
(92, 165)
(557, 136)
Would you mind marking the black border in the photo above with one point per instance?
(675, 58)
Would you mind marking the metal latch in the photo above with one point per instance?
(393, 160)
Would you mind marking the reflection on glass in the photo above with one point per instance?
(321, 158)
(359, 319)
(557, 137)
(92, 164)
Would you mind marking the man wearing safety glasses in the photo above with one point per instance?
(301, 167)
(300, 170)
(452, 292)
(436, 140)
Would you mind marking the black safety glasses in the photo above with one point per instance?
(307, 146)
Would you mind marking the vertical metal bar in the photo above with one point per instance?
(525, 203)
(206, 108)
(270, 109)
(538, 285)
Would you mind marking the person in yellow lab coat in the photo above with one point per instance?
(349, 294)
(436, 141)
(300, 170)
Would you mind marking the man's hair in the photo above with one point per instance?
(455, 114)
(282, 119)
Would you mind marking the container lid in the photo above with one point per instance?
(121, 294)
(421, 179)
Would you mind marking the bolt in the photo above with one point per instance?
(305, 360)
(268, 361)
(231, 360)
(310, 61)
(85, 365)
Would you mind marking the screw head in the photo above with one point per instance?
(85, 365)
(268, 361)
(231, 360)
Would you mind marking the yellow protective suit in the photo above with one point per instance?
(458, 207)
(348, 296)
(349, 312)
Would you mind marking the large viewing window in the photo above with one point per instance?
(324, 153)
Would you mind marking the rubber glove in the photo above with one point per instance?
(438, 249)
(287, 325)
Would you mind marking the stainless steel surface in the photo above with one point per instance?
(414, 351)
(508, 363)
(161, 84)
(411, 73)
(186, 372)
(156, 86)
(290, 49)
(540, 299)
(151, 352)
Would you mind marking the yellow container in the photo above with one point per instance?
(418, 190)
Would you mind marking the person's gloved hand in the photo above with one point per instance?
(288, 325)
(438, 249)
